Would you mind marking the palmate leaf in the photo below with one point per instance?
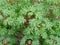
(23, 40)
(56, 10)
(43, 34)
(3, 31)
(35, 42)
(53, 1)
(48, 24)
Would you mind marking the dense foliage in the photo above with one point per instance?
(29, 22)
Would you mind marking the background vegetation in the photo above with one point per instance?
(29, 22)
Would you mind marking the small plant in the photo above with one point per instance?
(29, 22)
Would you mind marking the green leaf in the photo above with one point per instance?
(35, 42)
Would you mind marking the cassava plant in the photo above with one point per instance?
(29, 22)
